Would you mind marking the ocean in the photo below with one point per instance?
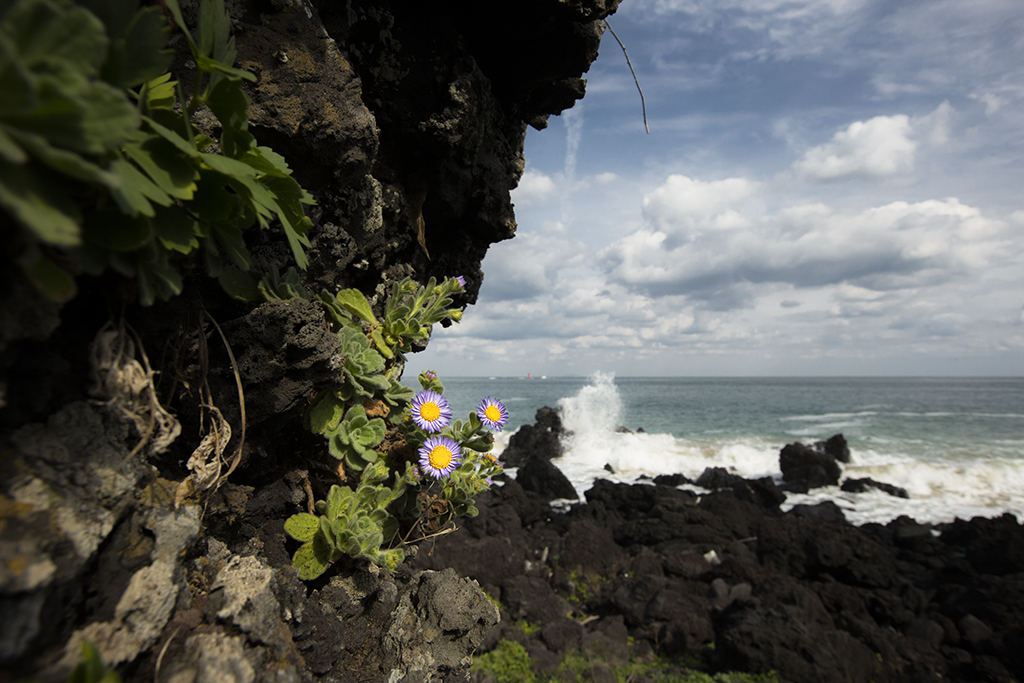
(955, 444)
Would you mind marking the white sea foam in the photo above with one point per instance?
(940, 487)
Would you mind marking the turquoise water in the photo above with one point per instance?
(956, 444)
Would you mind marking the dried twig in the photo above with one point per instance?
(643, 105)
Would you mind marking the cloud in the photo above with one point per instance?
(697, 246)
(934, 128)
(529, 265)
(874, 148)
(533, 189)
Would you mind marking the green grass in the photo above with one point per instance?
(510, 663)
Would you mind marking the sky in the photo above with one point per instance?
(828, 188)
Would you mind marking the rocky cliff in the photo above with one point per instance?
(406, 122)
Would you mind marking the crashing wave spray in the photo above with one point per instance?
(596, 408)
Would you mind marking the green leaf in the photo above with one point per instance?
(308, 562)
(337, 501)
(175, 229)
(68, 163)
(164, 164)
(353, 301)
(41, 206)
(136, 56)
(267, 161)
(46, 32)
(212, 201)
(187, 147)
(175, 10)
(136, 190)
(230, 105)
(240, 285)
(325, 414)
(55, 283)
(213, 66)
(112, 229)
(9, 149)
(93, 120)
(302, 527)
(215, 32)
(229, 236)
(16, 82)
(229, 167)
(158, 93)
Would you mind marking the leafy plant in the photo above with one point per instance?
(402, 468)
(100, 165)
(351, 522)
(92, 670)
(508, 663)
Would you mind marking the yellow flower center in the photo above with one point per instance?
(440, 457)
(493, 413)
(430, 411)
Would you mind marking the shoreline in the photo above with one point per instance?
(727, 581)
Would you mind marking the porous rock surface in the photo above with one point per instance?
(406, 122)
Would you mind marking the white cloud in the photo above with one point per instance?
(696, 245)
(877, 147)
(529, 264)
(533, 188)
(685, 201)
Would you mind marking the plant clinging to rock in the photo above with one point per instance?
(408, 467)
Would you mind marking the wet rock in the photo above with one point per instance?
(866, 484)
(835, 447)
(717, 478)
(542, 477)
(826, 511)
(807, 468)
(539, 440)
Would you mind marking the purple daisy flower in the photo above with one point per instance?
(439, 455)
(492, 413)
(430, 411)
(461, 280)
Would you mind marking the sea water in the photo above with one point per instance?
(955, 444)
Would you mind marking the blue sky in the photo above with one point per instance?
(829, 187)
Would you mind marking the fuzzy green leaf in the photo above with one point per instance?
(308, 562)
(302, 527)
(353, 301)
(325, 414)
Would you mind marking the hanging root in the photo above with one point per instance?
(121, 382)
(208, 466)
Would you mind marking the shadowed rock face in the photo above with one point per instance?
(406, 122)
